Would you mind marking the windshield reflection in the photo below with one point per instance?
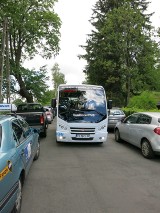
(82, 105)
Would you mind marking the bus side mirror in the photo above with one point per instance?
(109, 104)
(53, 103)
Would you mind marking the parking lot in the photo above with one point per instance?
(91, 178)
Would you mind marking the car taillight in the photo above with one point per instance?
(41, 119)
(157, 130)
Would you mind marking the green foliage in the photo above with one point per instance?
(33, 28)
(47, 97)
(17, 101)
(57, 78)
(35, 81)
(145, 101)
(120, 54)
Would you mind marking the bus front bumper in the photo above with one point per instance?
(82, 138)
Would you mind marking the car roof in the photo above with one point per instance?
(114, 109)
(153, 114)
(4, 118)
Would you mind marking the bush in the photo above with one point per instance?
(145, 101)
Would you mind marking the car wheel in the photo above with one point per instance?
(46, 125)
(117, 136)
(44, 133)
(37, 152)
(18, 203)
(146, 149)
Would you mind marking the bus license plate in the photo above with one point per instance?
(82, 136)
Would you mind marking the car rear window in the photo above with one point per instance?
(116, 112)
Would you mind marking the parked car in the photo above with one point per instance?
(19, 146)
(34, 114)
(115, 115)
(141, 130)
(49, 113)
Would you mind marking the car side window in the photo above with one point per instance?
(24, 124)
(144, 119)
(17, 132)
(25, 127)
(131, 119)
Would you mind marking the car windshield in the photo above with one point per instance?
(82, 105)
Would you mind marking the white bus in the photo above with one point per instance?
(82, 114)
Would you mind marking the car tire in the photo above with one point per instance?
(37, 152)
(46, 125)
(44, 133)
(146, 149)
(18, 202)
(117, 136)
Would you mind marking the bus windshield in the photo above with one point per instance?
(82, 104)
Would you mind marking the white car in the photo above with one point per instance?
(141, 130)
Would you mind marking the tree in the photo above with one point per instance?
(120, 53)
(57, 78)
(47, 97)
(35, 83)
(33, 29)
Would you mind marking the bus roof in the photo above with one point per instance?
(80, 86)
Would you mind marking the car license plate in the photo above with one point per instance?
(82, 136)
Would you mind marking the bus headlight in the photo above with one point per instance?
(102, 127)
(63, 127)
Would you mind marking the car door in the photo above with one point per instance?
(7, 182)
(24, 149)
(140, 129)
(29, 135)
(127, 132)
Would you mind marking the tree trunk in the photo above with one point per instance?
(16, 72)
(2, 58)
(23, 91)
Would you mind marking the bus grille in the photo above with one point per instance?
(75, 130)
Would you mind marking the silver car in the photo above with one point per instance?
(49, 114)
(115, 115)
(141, 130)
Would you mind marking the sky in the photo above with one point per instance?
(75, 16)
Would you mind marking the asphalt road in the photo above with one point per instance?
(91, 178)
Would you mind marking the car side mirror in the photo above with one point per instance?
(53, 103)
(122, 120)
